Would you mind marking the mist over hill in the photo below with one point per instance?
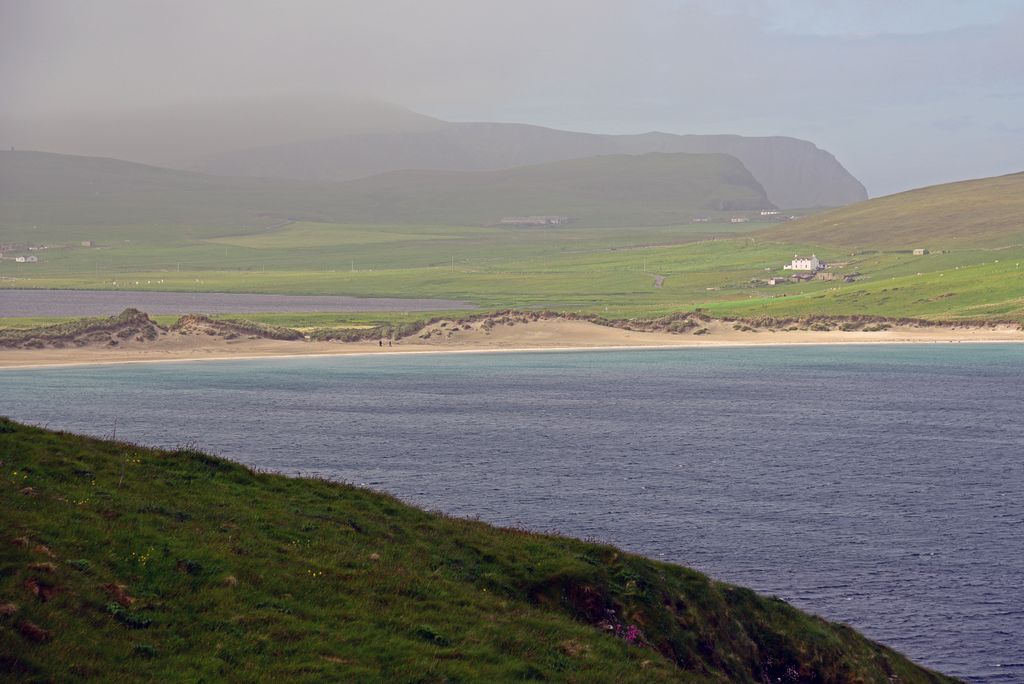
(619, 190)
(795, 173)
(340, 140)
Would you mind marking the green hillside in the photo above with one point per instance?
(613, 190)
(127, 563)
(988, 212)
(52, 197)
(48, 196)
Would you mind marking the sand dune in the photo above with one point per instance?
(449, 336)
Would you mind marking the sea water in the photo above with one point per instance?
(880, 486)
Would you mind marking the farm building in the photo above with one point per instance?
(920, 251)
(811, 263)
(26, 259)
(534, 221)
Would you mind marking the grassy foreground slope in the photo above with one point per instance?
(126, 562)
(986, 212)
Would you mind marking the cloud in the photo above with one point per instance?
(953, 124)
(795, 67)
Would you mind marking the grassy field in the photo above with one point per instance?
(617, 281)
(121, 562)
(975, 231)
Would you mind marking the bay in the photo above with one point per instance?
(875, 485)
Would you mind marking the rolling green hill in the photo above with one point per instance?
(987, 212)
(52, 196)
(55, 196)
(126, 563)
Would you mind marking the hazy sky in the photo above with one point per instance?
(904, 92)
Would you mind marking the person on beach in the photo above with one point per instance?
(380, 343)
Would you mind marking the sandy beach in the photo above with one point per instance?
(550, 335)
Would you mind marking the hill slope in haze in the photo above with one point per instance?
(123, 563)
(987, 212)
(173, 135)
(622, 190)
(794, 172)
(331, 139)
(625, 190)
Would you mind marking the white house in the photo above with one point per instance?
(24, 259)
(920, 251)
(800, 263)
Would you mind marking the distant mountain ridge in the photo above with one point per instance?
(794, 173)
(611, 190)
(38, 188)
(331, 139)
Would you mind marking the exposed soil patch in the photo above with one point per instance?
(33, 632)
(41, 589)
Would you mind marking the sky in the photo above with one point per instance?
(904, 93)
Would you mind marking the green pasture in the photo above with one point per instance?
(594, 270)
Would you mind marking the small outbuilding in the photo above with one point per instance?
(920, 251)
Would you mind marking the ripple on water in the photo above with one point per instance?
(877, 486)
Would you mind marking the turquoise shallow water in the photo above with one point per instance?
(879, 485)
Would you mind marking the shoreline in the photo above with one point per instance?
(542, 336)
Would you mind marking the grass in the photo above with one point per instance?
(974, 229)
(716, 275)
(123, 562)
(128, 323)
(988, 212)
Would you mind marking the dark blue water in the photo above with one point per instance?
(879, 486)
